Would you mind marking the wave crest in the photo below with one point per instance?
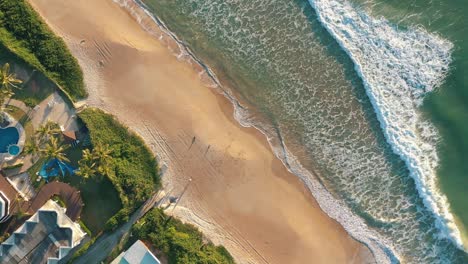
(398, 68)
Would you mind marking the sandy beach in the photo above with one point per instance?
(241, 195)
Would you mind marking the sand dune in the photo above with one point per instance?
(241, 195)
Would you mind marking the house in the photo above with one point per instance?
(4, 207)
(138, 253)
(45, 238)
(7, 198)
(70, 137)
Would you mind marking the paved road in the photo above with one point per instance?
(107, 242)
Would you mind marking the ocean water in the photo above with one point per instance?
(361, 94)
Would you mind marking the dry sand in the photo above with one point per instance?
(241, 195)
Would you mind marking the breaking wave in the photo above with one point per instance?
(398, 68)
(380, 247)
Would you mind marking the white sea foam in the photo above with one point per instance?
(398, 68)
(379, 246)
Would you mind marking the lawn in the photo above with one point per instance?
(23, 32)
(101, 199)
(33, 174)
(35, 90)
(134, 171)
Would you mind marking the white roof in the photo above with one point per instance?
(138, 253)
(3, 203)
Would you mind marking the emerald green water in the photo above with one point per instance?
(279, 58)
(448, 107)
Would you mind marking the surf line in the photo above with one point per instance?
(336, 209)
(398, 68)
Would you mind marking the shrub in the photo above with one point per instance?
(181, 243)
(24, 33)
(134, 171)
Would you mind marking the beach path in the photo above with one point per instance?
(241, 195)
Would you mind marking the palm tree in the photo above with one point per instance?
(32, 147)
(102, 155)
(87, 156)
(85, 170)
(8, 81)
(53, 150)
(45, 131)
(87, 164)
(95, 162)
(102, 152)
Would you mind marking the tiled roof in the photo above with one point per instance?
(44, 238)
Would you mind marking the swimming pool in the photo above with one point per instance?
(8, 136)
(14, 150)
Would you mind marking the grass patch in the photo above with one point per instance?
(12, 167)
(24, 33)
(34, 89)
(181, 243)
(36, 181)
(85, 228)
(37, 89)
(134, 171)
(101, 201)
(59, 201)
(100, 198)
(135, 176)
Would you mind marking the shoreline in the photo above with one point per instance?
(160, 140)
(380, 247)
(422, 174)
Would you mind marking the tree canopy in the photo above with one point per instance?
(181, 243)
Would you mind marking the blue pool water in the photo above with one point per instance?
(8, 136)
(14, 150)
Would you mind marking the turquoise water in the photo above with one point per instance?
(347, 124)
(8, 136)
(448, 106)
(13, 150)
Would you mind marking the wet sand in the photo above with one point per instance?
(241, 195)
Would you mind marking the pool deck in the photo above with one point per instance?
(54, 109)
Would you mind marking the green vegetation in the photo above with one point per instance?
(181, 243)
(96, 162)
(130, 169)
(35, 87)
(14, 166)
(8, 81)
(59, 201)
(133, 169)
(33, 171)
(55, 150)
(23, 33)
(101, 201)
(85, 228)
(35, 90)
(82, 250)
